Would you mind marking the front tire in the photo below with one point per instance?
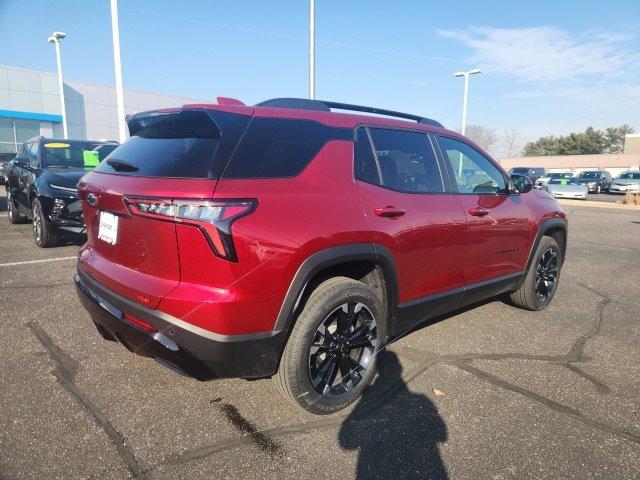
(44, 233)
(330, 357)
(541, 282)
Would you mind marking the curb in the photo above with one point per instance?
(591, 203)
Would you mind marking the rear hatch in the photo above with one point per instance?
(129, 200)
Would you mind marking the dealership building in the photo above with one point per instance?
(30, 106)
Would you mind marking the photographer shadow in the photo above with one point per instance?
(395, 430)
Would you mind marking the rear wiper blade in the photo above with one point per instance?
(120, 165)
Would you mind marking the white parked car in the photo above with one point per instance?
(567, 188)
(541, 182)
(628, 181)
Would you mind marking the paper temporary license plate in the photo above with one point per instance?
(108, 228)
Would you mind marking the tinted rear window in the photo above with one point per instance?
(277, 147)
(186, 144)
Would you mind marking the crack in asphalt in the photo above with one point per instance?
(551, 404)
(465, 363)
(601, 387)
(65, 371)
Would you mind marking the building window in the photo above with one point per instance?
(14, 132)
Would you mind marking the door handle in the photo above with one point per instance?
(388, 212)
(478, 211)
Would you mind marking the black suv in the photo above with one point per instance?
(596, 180)
(534, 173)
(41, 184)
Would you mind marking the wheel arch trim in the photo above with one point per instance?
(330, 257)
(546, 226)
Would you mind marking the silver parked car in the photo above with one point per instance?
(628, 181)
(567, 188)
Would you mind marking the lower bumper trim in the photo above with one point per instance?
(184, 351)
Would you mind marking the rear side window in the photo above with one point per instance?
(277, 147)
(366, 168)
(407, 161)
(186, 144)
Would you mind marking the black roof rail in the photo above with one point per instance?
(325, 106)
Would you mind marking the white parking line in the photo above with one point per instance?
(44, 260)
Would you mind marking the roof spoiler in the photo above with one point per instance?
(326, 106)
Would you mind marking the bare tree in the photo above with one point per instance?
(483, 136)
(511, 143)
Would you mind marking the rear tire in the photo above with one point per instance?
(44, 233)
(541, 282)
(12, 211)
(322, 369)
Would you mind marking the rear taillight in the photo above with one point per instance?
(213, 217)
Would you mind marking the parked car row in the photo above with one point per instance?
(286, 239)
(595, 181)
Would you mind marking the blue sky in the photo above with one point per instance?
(550, 67)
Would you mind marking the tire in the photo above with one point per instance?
(598, 189)
(12, 211)
(531, 294)
(304, 377)
(44, 233)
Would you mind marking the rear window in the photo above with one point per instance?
(278, 147)
(186, 144)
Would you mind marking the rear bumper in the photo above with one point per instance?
(180, 346)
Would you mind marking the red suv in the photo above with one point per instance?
(289, 240)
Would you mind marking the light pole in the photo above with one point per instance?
(115, 32)
(466, 76)
(312, 49)
(55, 40)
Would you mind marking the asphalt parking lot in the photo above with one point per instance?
(490, 392)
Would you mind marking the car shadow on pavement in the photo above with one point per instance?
(399, 438)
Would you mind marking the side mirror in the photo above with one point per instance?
(520, 184)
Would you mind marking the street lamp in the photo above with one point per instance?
(312, 49)
(55, 40)
(115, 31)
(466, 93)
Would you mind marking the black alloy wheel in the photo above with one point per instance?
(342, 349)
(546, 275)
